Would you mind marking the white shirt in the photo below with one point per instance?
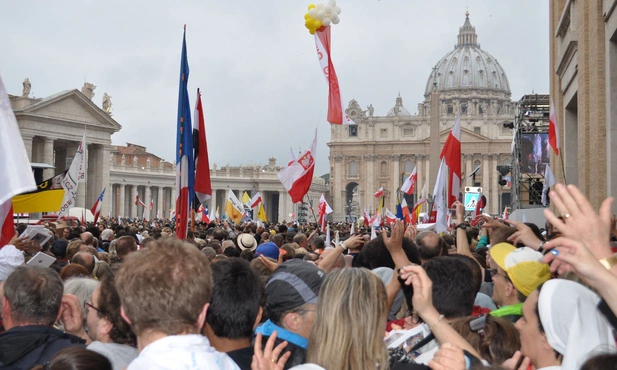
(10, 258)
(182, 352)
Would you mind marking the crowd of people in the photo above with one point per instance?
(500, 294)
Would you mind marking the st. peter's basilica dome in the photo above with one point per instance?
(468, 67)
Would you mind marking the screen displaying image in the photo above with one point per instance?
(535, 153)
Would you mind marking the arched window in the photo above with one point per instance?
(353, 168)
(383, 168)
(408, 166)
(475, 165)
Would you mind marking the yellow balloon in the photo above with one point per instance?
(317, 24)
(311, 6)
(310, 23)
(312, 32)
(307, 16)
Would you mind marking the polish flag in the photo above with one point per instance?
(336, 112)
(138, 201)
(480, 204)
(451, 153)
(96, 209)
(367, 218)
(255, 200)
(410, 183)
(298, 176)
(379, 193)
(553, 130)
(406, 213)
(203, 186)
(390, 217)
(16, 176)
(292, 157)
(324, 210)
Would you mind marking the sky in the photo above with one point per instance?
(255, 62)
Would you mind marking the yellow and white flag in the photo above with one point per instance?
(233, 207)
(261, 214)
(246, 198)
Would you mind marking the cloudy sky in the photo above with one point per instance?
(255, 63)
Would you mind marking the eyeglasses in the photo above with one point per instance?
(88, 304)
(494, 272)
(414, 318)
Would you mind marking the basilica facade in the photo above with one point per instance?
(382, 150)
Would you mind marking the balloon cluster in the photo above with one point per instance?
(321, 16)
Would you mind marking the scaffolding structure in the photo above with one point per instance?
(532, 117)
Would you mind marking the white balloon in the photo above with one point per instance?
(319, 6)
(320, 15)
(336, 10)
(326, 22)
(335, 20)
(332, 3)
(312, 13)
(327, 8)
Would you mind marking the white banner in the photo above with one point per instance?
(75, 175)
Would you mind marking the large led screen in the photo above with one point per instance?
(534, 153)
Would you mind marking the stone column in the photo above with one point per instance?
(172, 198)
(28, 144)
(468, 169)
(159, 202)
(148, 197)
(132, 206)
(212, 206)
(485, 175)
(396, 179)
(60, 159)
(283, 214)
(418, 159)
(338, 203)
(48, 157)
(102, 173)
(369, 200)
(495, 201)
(122, 204)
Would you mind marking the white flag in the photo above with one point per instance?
(353, 229)
(439, 196)
(75, 175)
(549, 180)
(373, 233)
(328, 244)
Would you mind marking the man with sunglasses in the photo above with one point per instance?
(519, 272)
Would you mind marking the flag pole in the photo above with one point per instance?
(312, 210)
(193, 219)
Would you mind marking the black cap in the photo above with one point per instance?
(293, 284)
(58, 248)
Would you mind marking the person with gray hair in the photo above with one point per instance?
(82, 288)
(30, 306)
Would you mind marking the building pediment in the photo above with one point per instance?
(466, 137)
(70, 106)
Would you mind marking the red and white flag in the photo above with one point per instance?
(138, 201)
(389, 216)
(406, 213)
(151, 204)
(255, 200)
(96, 209)
(440, 205)
(336, 110)
(203, 185)
(292, 157)
(324, 210)
(553, 130)
(298, 176)
(451, 153)
(379, 193)
(367, 218)
(410, 183)
(480, 205)
(16, 176)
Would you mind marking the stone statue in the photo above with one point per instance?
(135, 161)
(148, 162)
(161, 164)
(495, 111)
(112, 158)
(484, 108)
(106, 103)
(420, 109)
(214, 166)
(123, 159)
(371, 110)
(396, 110)
(27, 87)
(88, 90)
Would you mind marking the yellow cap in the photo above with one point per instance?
(528, 275)
(499, 252)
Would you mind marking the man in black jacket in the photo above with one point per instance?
(30, 306)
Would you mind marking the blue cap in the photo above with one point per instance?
(268, 249)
